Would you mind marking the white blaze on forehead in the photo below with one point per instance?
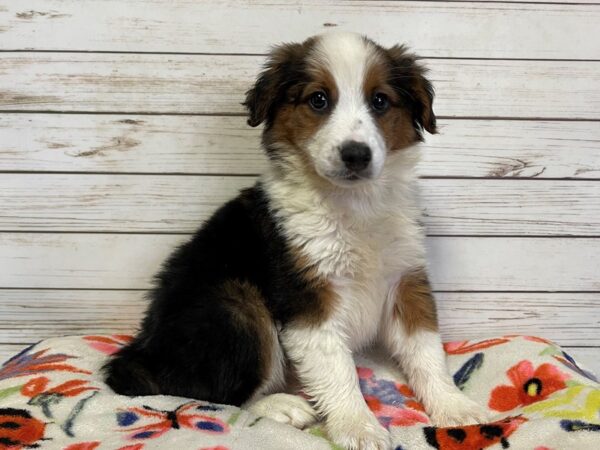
(347, 57)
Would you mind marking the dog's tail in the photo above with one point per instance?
(126, 372)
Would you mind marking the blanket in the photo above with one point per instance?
(52, 396)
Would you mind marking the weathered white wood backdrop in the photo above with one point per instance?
(121, 130)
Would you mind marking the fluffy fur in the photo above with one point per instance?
(321, 258)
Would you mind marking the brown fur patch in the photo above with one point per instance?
(248, 310)
(397, 129)
(320, 299)
(296, 122)
(283, 70)
(415, 304)
(407, 77)
(396, 123)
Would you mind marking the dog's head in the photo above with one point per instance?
(337, 105)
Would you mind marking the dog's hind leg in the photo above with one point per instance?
(219, 345)
(270, 401)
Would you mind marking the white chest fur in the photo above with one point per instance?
(383, 252)
(362, 240)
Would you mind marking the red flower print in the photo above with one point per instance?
(461, 347)
(528, 386)
(38, 386)
(133, 447)
(538, 339)
(83, 446)
(43, 396)
(108, 344)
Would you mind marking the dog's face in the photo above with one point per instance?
(338, 104)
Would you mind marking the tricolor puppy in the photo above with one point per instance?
(321, 258)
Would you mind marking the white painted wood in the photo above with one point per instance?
(567, 318)
(102, 203)
(513, 149)
(33, 315)
(507, 207)
(548, 264)
(456, 29)
(588, 357)
(570, 319)
(122, 261)
(560, 2)
(179, 204)
(7, 351)
(209, 84)
(221, 144)
(118, 143)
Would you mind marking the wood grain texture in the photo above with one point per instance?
(129, 143)
(179, 204)
(588, 357)
(567, 318)
(9, 350)
(222, 144)
(209, 84)
(560, 2)
(514, 264)
(507, 207)
(123, 261)
(570, 319)
(454, 29)
(32, 315)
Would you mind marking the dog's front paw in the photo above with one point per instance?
(285, 408)
(359, 433)
(457, 409)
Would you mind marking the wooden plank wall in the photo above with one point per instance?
(121, 130)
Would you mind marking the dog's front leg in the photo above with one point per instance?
(326, 370)
(411, 334)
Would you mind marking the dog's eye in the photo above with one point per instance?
(318, 101)
(380, 102)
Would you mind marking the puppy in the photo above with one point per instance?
(321, 258)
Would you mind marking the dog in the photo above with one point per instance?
(322, 257)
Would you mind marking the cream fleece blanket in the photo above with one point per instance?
(52, 397)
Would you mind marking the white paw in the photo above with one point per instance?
(363, 433)
(456, 409)
(285, 408)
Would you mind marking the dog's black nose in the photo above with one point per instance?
(356, 155)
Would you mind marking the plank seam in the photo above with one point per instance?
(37, 288)
(241, 114)
(484, 2)
(186, 233)
(420, 57)
(253, 175)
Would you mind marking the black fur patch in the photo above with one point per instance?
(191, 343)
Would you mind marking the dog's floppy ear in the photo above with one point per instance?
(280, 71)
(408, 79)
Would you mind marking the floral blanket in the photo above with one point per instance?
(52, 397)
